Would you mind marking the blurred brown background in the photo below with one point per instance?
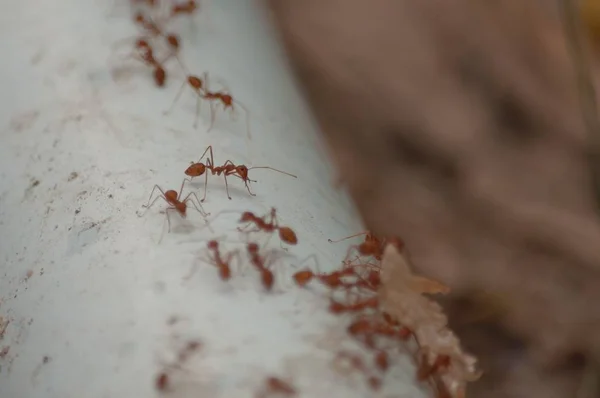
(457, 126)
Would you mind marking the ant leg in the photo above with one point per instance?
(205, 185)
(226, 186)
(204, 153)
(311, 257)
(348, 237)
(182, 184)
(197, 116)
(168, 218)
(176, 98)
(198, 206)
(152, 193)
(248, 188)
(212, 117)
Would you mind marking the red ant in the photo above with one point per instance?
(227, 169)
(147, 24)
(175, 202)
(332, 280)
(338, 308)
(275, 385)
(382, 361)
(161, 381)
(372, 245)
(286, 234)
(366, 327)
(184, 8)
(146, 55)
(259, 263)
(196, 84)
(217, 259)
(226, 99)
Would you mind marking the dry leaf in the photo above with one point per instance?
(401, 296)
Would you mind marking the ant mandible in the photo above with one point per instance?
(175, 202)
(227, 169)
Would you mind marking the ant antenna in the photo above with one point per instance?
(347, 237)
(274, 169)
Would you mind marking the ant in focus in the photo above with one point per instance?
(227, 169)
(175, 202)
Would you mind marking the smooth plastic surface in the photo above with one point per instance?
(94, 289)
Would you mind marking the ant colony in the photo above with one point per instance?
(372, 287)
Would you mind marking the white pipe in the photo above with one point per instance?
(88, 285)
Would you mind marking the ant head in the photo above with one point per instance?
(287, 235)
(195, 170)
(242, 171)
(213, 245)
(253, 248)
(195, 82)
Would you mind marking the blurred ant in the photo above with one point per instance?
(147, 25)
(258, 262)
(276, 386)
(223, 263)
(145, 53)
(226, 99)
(227, 169)
(197, 85)
(286, 234)
(175, 202)
(332, 280)
(338, 308)
(188, 7)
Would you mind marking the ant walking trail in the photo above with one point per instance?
(228, 169)
(173, 199)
